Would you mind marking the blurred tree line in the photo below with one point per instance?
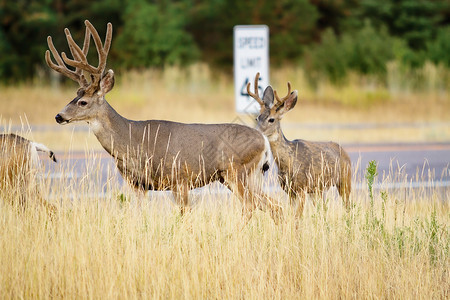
(325, 37)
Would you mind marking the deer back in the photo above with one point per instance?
(165, 151)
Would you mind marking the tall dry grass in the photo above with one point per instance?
(102, 244)
(197, 94)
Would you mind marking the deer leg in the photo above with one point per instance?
(344, 192)
(273, 205)
(344, 189)
(247, 200)
(239, 184)
(239, 188)
(344, 185)
(268, 202)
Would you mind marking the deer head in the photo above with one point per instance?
(91, 94)
(272, 111)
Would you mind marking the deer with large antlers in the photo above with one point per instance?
(304, 166)
(157, 154)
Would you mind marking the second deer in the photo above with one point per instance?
(303, 166)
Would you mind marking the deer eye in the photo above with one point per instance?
(271, 120)
(82, 103)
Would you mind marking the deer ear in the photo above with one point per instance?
(107, 82)
(289, 103)
(268, 96)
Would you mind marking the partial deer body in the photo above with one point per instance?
(158, 154)
(19, 164)
(304, 166)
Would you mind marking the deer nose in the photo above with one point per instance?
(59, 119)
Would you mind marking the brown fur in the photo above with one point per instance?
(304, 166)
(18, 171)
(157, 154)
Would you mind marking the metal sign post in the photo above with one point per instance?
(251, 55)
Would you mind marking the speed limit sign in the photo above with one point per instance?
(251, 55)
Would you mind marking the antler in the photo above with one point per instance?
(256, 94)
(280, 102)
(79, 60)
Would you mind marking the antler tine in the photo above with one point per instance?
(87, 38)
(61, 67)
(108, 38)
(281, 101)
(256, 94)
(75, 52)
(79, 55)
(79, 60)
(102, 50)
(71, 47)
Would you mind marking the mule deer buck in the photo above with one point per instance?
(157, 154)
(18, 169)
(304, 166)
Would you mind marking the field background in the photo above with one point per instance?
(366, 71)
(110, 244)
(351, 113)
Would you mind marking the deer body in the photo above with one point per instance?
(309, 167)
(303, 166)
(18, 168)
(158, 154)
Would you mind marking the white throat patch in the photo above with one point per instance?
(273, 137)
(95, 126)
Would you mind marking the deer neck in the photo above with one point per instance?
(281, 148)
(111, 129)
(276, 138)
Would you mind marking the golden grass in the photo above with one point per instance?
(197, 95)
(98, 246)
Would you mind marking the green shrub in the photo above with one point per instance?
(327, 59)
(439, 48)
(366, 51)
(154, 35)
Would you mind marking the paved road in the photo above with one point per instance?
(418, 165)
(417, 162)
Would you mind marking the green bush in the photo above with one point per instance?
(154, 35)
(327, 59)
(366, 51)
(439, 49)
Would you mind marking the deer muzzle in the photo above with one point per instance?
(60, 120)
